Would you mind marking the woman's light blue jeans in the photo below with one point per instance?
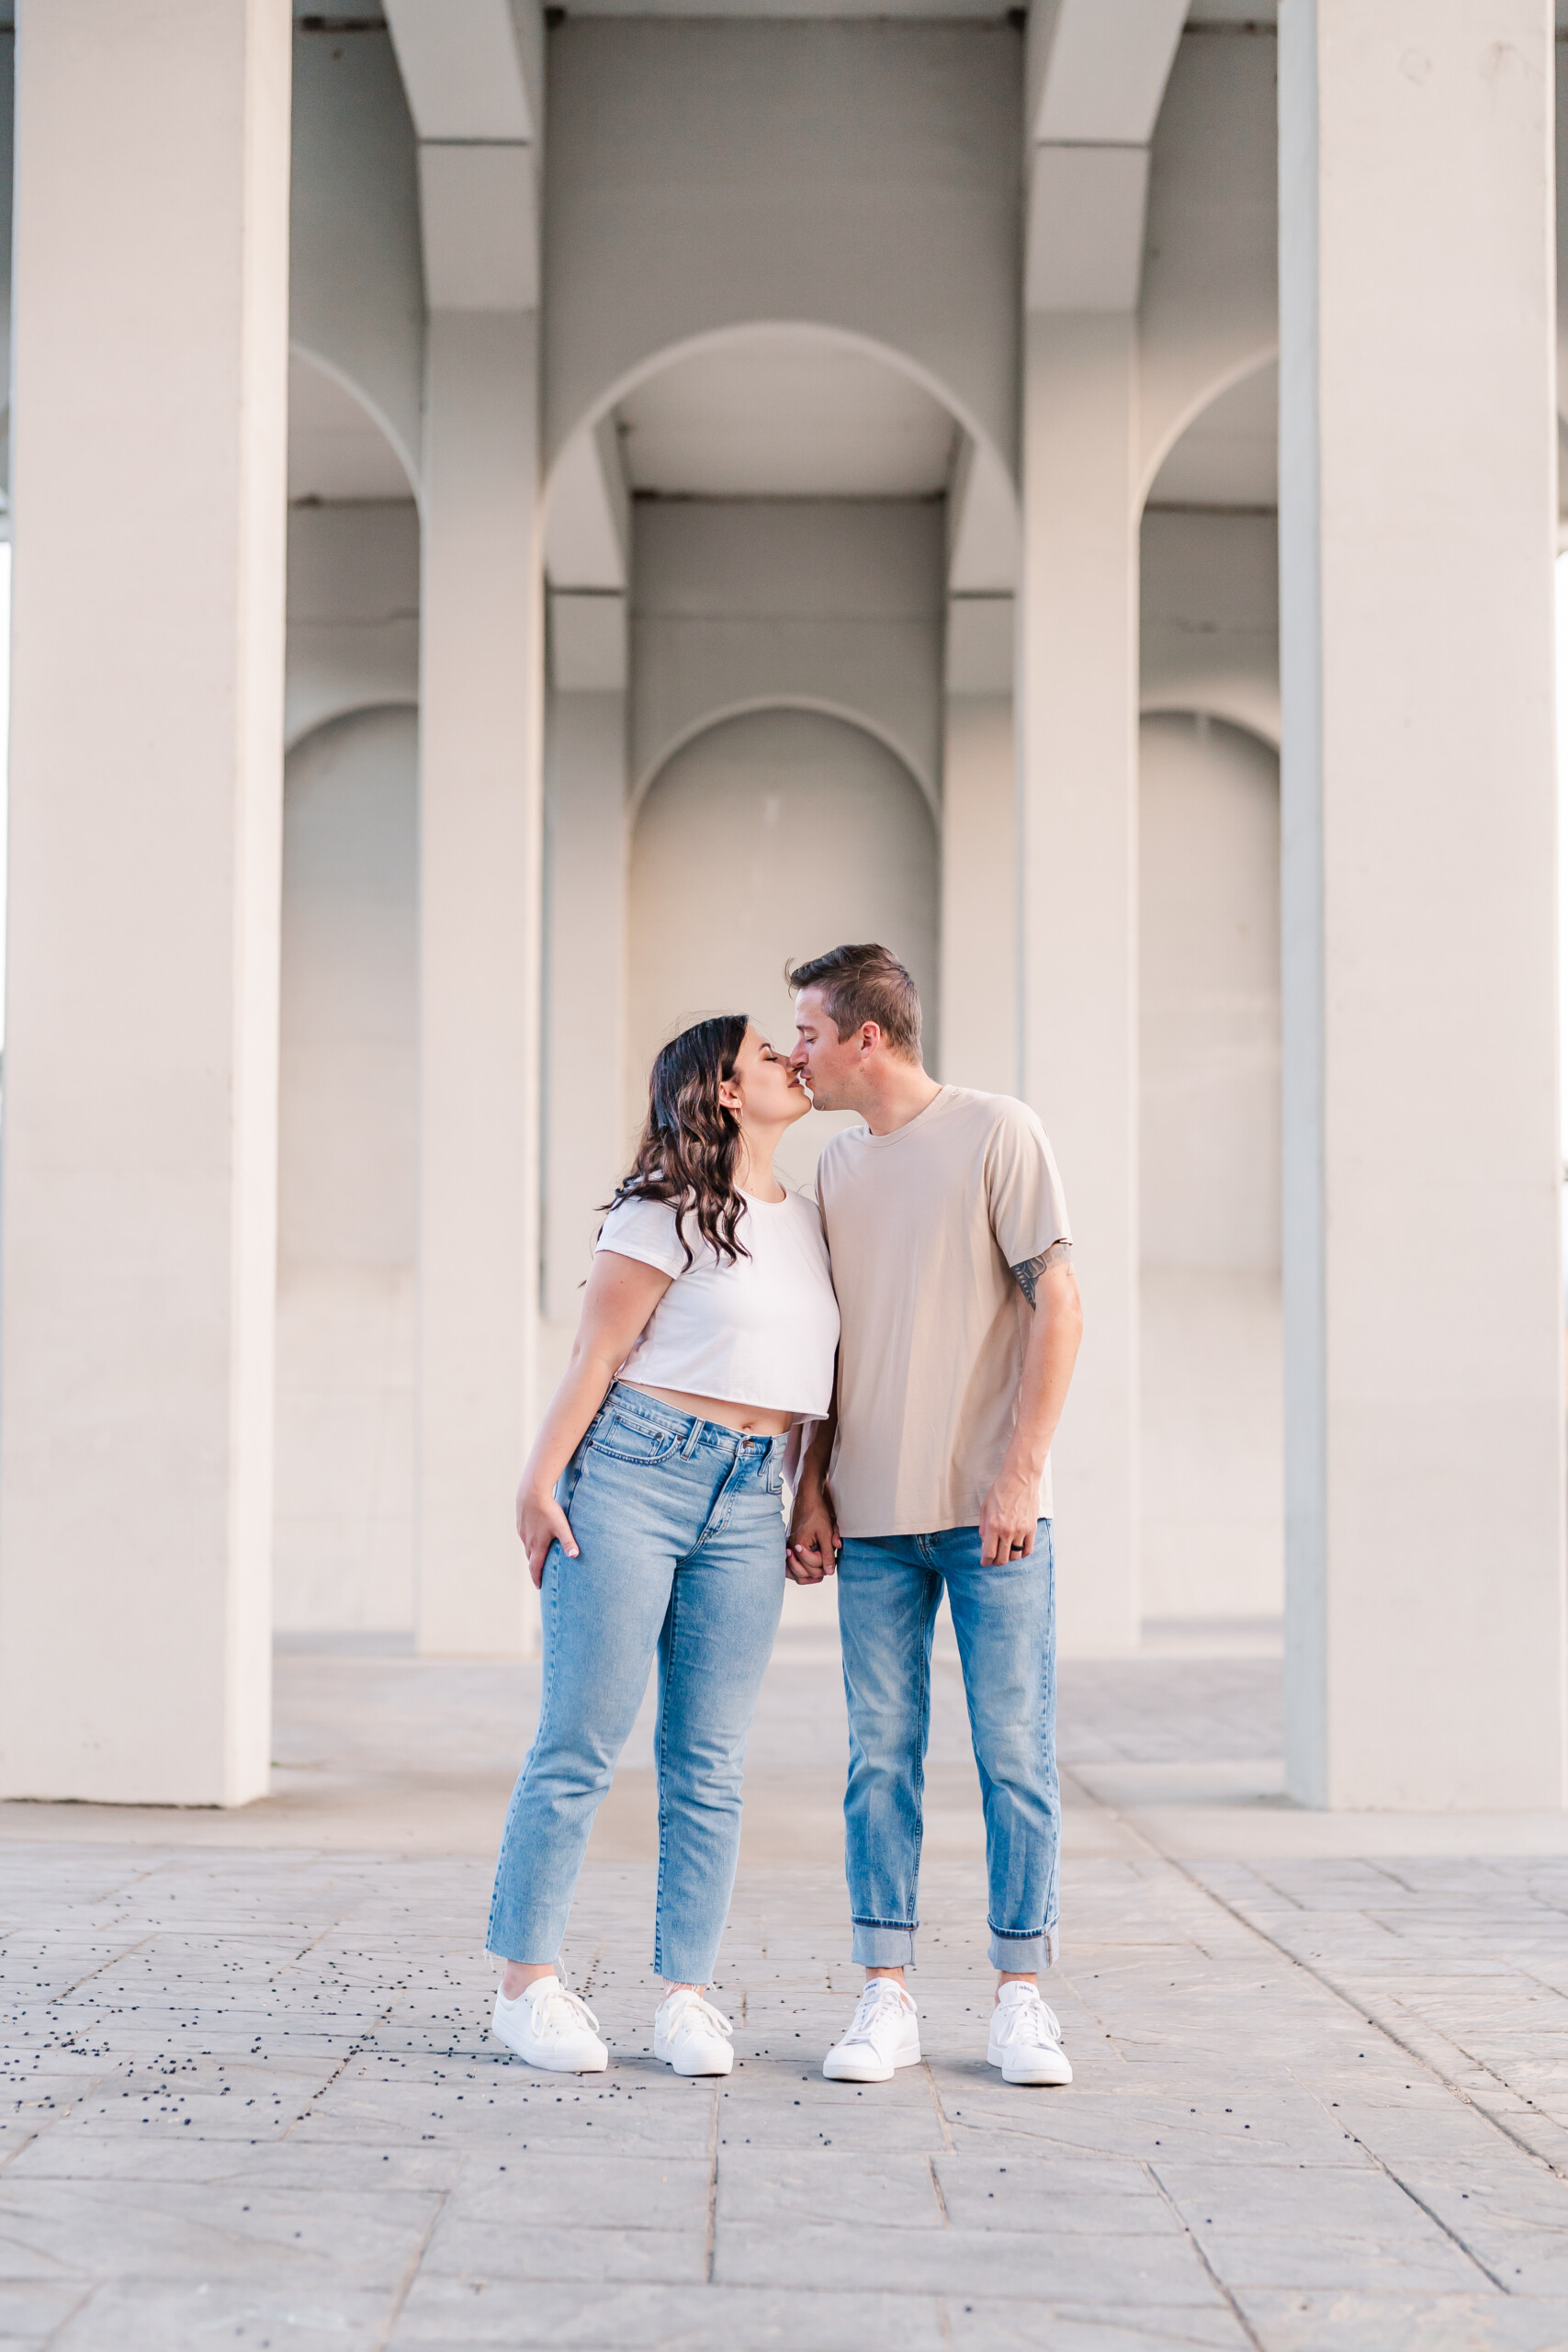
(1005, 1619)
(681, 1552)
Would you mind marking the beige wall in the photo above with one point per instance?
(1209, 957)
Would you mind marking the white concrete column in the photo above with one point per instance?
(1423, 1301)
(479, 854)
(587, 846)
(978, 990)
(152, 253)
(1078, 702)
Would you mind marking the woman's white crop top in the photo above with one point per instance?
(762, 1331)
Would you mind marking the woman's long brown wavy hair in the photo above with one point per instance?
(690, 1142)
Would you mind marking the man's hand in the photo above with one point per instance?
(1008, 1517)
(813, 1537)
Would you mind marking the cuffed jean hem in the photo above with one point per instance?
(1023, 1955)
(877, 1946)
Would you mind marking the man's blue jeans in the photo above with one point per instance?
(1005, 1619)
(680, 1551)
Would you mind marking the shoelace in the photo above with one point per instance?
(561, 1997)
(1035, 2022)
(697, 2008)
(878, 1997)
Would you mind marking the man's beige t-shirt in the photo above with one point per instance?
(923, 1226)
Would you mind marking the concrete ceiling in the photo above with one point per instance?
(785, 415)
(336, 451)
(1230, 455)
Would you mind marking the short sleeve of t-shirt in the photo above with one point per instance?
(644, 1230)
(1023, 1189)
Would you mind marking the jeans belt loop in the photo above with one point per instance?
(692, 1439)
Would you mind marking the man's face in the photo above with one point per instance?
(829, 1065)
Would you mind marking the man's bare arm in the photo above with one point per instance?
(1008, 1517)
(1027, 1275)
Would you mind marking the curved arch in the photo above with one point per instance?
(373, 411)
(321, 721)
(1202, 700)
(1216, 388)
(719, 338)
(643, 784)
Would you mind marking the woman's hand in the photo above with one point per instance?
(622, 1293)
(541, 1522)
(813, 1551)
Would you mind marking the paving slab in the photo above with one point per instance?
(248, 2092)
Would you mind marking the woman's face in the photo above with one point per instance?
(765, 1092)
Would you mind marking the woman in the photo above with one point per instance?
(652, 1517)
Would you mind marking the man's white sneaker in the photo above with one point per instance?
(550, 2027)
(1026, 2040)
(884, 2033)
(691, 2035)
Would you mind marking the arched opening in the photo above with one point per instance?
(348, 1058)
(750, 542)
(1209, 862)
(1208, 950)
(770, 836)
(353, 557)
(1209, 562)
(347, 1158)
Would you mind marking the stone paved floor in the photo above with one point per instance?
(1322, 2095)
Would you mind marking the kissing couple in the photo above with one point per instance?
(894, 1355)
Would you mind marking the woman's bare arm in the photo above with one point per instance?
(622, 1294)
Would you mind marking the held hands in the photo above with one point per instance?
(541, 1522)
(1008, 1517)
(814, 1538)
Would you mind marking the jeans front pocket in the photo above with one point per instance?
(623, 1437)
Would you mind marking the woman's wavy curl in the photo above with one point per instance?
(689, 1145)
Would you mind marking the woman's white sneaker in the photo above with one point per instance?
(884, 2033)
(1026, 2040)
(551, 2026)
(691, 2035)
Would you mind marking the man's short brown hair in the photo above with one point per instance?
(867, 983)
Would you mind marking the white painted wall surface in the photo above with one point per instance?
(1209, 593)
(834, 602)
(1209, 1187)
(152, 262)
(352, 611)
(357, 290)
(1208, 310)
(702, 174)
(482, 681)
(771, 836)
(347, 1154)
(1425, 1472)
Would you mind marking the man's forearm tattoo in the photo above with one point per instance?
(1027, 1276)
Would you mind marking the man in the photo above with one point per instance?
(952, 1259)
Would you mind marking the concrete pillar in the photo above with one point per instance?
(979, 894)
(586, 1144)
(1078, 702)
(479, 851)
(1423, 1301)
(151, 255)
